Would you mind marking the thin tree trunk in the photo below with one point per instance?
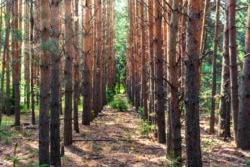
(224, 121)
(76, 70)
(233, 64)
(216, 36)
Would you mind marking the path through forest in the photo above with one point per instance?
(115, 139)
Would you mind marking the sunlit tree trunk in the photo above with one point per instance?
(193, 149)
(224, 120)
(233, 63)
(243, 141)
(213, 98)
(45, 85)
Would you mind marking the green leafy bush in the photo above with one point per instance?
(120, 104)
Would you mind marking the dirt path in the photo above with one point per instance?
(114, 140)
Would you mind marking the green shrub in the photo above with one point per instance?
(120, 104)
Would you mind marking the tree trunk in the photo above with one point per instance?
(224, 121)
(76, 70)
(174, 85)
(87, 63)
(144, 71)
(216, 36)
(16, 61)
(233, 64)
(243, 141)
(68, 74)
(158, 55)
(55, 159)
(193, 149)
(45, 85)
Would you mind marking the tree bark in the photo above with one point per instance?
(158, 56)
(216, 35)
(44, 85)
(55, 159)
(16, 62)
(224, 121)
(174, 84)
(233, 64)
(193, 149)
(87, 63)
(243, 141)
(68, 74)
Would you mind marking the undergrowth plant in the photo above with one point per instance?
(146, 128)
(119, 104)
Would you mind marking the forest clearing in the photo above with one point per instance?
(116, 139)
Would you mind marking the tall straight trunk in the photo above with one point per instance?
(204, 26)
(44, 85)
(7, 56)
(193, 148)
(167, 87)
(87, 63)
(76, 69)
(27, 56)
(216, 36)
(55, 159)
(144, 87)
(32, 83)
(68, 74)
(174, 85)
(3, 70)
(159, 91)
(243, 141)
(16, 64)
(233, 63)
(224, 121)
(151, 105)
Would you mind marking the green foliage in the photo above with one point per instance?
(146, 128)
(120, 104)
(50, 45)
(248, 161)
(5, 135)
(140, 111)
(109, 95)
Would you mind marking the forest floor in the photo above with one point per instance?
(115, 139)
